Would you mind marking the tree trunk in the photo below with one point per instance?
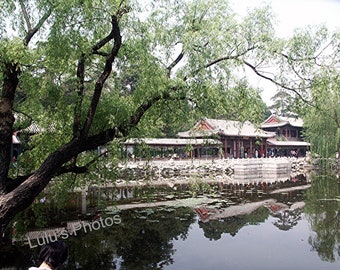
(17, 200)
(10, 82)
(22, 196)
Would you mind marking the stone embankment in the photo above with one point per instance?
(218, 170)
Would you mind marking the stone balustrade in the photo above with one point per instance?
(256, 168)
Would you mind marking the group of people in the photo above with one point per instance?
(52, 256)
(254, 153)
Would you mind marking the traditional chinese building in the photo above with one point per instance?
(288, 140)
(239, 140)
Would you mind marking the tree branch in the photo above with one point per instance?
(141, 110)
(137, 116)
(25, 193)
(221, 59)
(174, 63)
(10, 81)
(26, 17)
(296, 59)
(79, 169)
(115, 35)
(109, 37)
(32, 31)
(80, 93)
(12, 184)
(275, 82)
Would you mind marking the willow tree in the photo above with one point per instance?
(88, 73)
(322, 121)
(310, 58)
(315, 65)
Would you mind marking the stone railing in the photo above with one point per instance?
(218, 169)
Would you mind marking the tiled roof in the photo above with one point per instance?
(227, 128)
(282, 121)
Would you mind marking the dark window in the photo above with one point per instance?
(293, 133)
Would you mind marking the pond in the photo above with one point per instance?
(291, 225)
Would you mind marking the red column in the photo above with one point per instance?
(232, 147)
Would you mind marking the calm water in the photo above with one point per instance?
(246, 228)
(261, 246)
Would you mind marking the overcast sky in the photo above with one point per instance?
(292, 14)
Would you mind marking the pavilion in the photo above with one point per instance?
(239, 139)
(288, 140)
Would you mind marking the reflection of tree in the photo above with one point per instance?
(90, 250)
(142, 240)
(147, 247)
(231, 225)
(15, 257)
(322, 211)
(287, 219)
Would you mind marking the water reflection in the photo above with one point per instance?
(214, 229)
(323, 213)
(269, 224)
(287, 219)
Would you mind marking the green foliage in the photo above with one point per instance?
(36, 216)
(322, 121)
(203, 30)
(198, 187)
(179, 61)
(143, 151)
(283, 104)
(245, 103)
(13, 50)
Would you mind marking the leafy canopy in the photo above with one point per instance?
(322, 121)
(88, 73)
(207, 34)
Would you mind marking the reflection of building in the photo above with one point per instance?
(208, 214)
(288, 140)
(239, 140)
(287, 219)
(218, 221)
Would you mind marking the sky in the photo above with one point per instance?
(291, 14)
